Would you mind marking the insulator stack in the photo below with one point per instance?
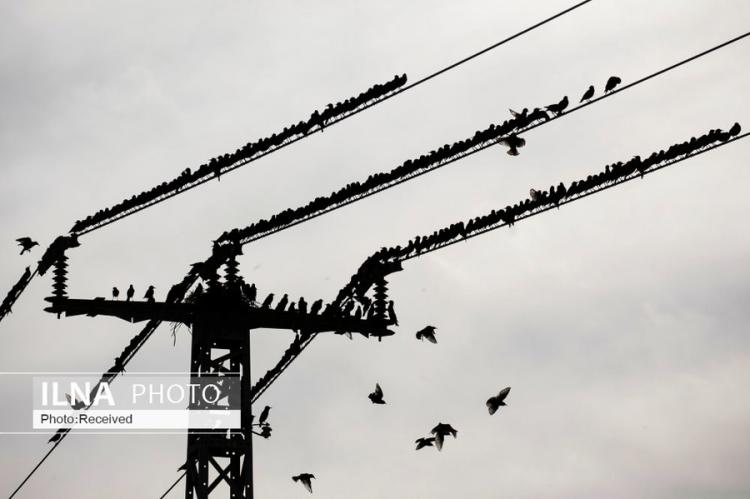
(60, 278)
(381, 297)
(231, 271)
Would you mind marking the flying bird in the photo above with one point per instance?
(589, 94)
(559, 107)
(130, 293)
(612, 82)
(376, 397)
(513, 142)
(441, 430)
(115, 293)
(149, 296)
(494, 403)
(305, 479)
(427, 333)
(264, 414)
(424, 442)
(26, 243)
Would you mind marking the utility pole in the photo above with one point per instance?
(222, 318)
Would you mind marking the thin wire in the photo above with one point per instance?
(179, 478)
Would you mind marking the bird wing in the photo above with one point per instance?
(439, 441)
(23, 240)
(431, 337)
(513, 113)
(307, 483)
(378, 390)
(503, 393)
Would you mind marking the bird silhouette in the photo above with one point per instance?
(612, 82)
(441, 430)
(735, 130)
(149, 296)
(513, 142)
(305, 478)
(588, 94)
(282, 303)
(250, 291)
(267, 302)
(495, 402)
(427, 333)
(392, 313)
(26, 243)
(58, 435)
(264, 414)
(376, 397)
(115, 293)
(424, 442)
(316, 306)
(130, 293)
(559, 107)
(77, 405)
(534, 194)
(522, 114)
(265, 432)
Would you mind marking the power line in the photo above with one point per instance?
(299, 344)
(338, 119)
(150, 328)
(333, 122)
(179, 478)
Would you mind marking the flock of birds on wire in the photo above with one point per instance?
(419, 244)
(317, 120)
(503, 134)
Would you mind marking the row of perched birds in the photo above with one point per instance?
(439, 432)
(538, 199)
(318, 119)
(149, 296)
(505, 134)
(554, 196)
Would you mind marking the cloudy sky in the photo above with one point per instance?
(619, 321)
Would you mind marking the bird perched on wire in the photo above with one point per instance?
(427, 333)
(513, 142)
(495, 402)
(441, 430)
(305, 479)
(559, 107)
(149, 296)
(115, 293)
(267, 302)
(534, 194)
(58, 435)
(282, 303)
(376, 397)
(612, 82)
(76, 405)
(392, 313)
(264, 414)
(130, 293)
(26, 243)
(424, 442)
(588, 94)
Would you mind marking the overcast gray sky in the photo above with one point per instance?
(620, 321)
